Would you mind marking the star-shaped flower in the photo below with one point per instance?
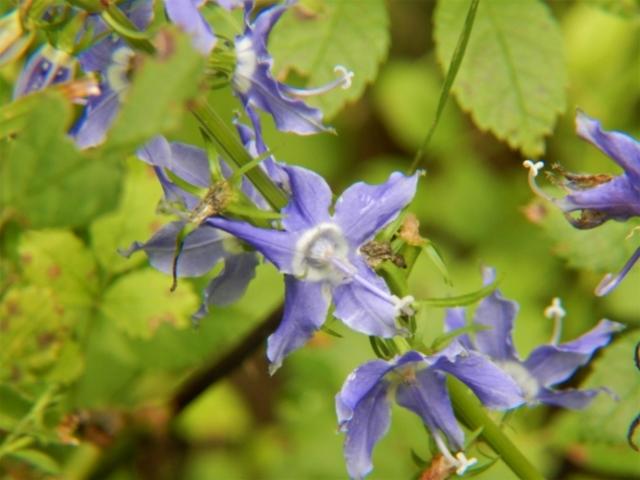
(419, 383)
(546, 366)
(320, 255)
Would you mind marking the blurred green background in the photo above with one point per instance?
(102, 345)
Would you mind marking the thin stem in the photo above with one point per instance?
(456, 60)
(232, 149)
(470, 411)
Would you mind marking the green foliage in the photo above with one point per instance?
(43, 166)
(155, 100)
(335, 32)
(513, 78)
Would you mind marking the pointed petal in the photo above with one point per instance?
(369, 423)
(100, 112)
(495, 388)
(623, 149)
(185, 14)
(363, 209)
(610, 281)
(310, 201)
(202, 249)
(428, 398)
(361, 308)
(305, 309)
(45, 67)
(277, 246)
(551, 364)
(497, 313)
(230, 284)
(357, 386)
(574, 399)
(262, 26)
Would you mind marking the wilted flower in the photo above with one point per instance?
(599, 198)
(419, 383)
(319, 253)
(547, 365)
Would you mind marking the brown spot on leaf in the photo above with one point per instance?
(165, 44)
(535, 212)
(13, 308)
(26, 258)
(54, 271)
(46, 339)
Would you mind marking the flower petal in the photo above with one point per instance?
(497, 313)
(551, 364)
(185, 14)
(201, 250)
(45, 67)
(369, 423)
(276, 245)
(574, 399)
(428, 398)
(173, 193)
(494, 387)
(361, 308)
(610, 281)
(310, 200)
(230, 284)
(305, 309)
(455, 319)
(363, 209)
(623, 149)
(99, 114)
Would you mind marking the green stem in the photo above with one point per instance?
(120, 24)
(232, 150)
(456, 60)
(469, 410)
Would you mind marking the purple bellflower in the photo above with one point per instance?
(256, 87)
(599, 198)
(419, 383)
(112, 59)
(186, 14)
(203, 247)
(47, 66)
(546, 365)
(319, 254)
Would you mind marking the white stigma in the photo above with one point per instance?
(464, 463)
(460, 462)
(404, 305)
(556, 313)
(344, 80)
(246, 64)
(345, 74)
(533, 167)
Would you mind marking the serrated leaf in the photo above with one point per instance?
(340, 32)
(42, 169)
(140, 302)
(134, 219)
(155, 101)
(513, 77)
(58, 260)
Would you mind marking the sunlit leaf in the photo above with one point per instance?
(513, 77)
(339, 32)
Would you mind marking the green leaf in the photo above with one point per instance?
(460, 300)
(38, 459)
(341, 32)
(134, 219)
(58, 260)
(140, 302)
(43, 171)
(155, 101)
(513, 77)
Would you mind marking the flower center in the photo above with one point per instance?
(246, 63)
(321, 254)
(523, 378)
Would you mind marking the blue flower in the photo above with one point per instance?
(256, 87)
(546, 366)
(203, 247)
(599, 198)
(113, 60)
(419, 383)
(47, 66)
(319, 254)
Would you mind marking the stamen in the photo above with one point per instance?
(403, 305)
(344, 81)
(557, 313)
(534, 168)
(610, 281)
(460, 461)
